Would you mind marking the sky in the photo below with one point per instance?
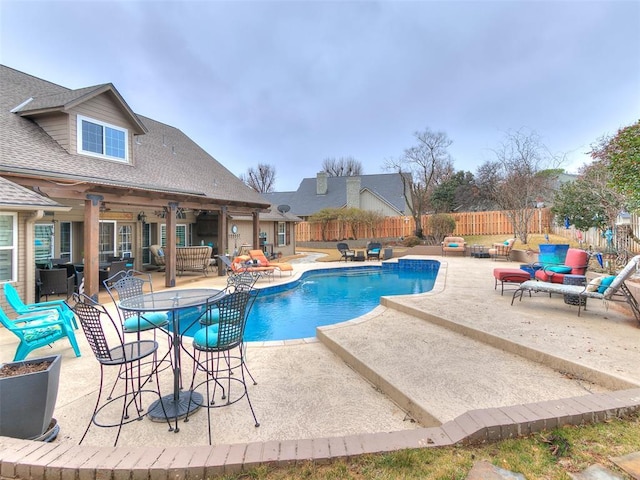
(292, 83)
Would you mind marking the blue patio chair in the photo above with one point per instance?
(13, 299)
(38, 330)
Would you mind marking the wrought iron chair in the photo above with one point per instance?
(37, 330)
(131, 284)
(127, 356)
(221, 345)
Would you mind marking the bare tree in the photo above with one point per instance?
(517, 179)
(262, 179)
(342, 167)
(422, 168)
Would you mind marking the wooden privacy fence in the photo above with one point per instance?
(467, 223)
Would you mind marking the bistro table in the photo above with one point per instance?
(179, 403)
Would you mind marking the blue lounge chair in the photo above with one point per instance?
(15, 302)
(38, 330)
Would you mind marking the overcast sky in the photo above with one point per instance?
(292, 83)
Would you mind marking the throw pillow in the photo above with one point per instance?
(506, 242)
(594, 284)
(160, 252)
(606, 281)
(453, 245)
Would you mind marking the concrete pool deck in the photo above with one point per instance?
(457, 364)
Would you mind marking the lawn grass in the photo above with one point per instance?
(546, 455)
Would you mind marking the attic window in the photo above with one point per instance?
(100, 139)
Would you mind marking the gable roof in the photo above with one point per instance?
(305, 201)
(65, 101)
(164, 158)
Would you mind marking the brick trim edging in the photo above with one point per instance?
(24, 459)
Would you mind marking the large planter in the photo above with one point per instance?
(27, 401)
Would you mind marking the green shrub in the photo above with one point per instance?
(411, 241)
(441, 225)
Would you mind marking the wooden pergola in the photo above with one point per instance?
(94, 194)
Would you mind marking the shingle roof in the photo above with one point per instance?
(165, 159)
(17, 197)
(305, 201)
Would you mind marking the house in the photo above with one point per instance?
(383, 193)
(277, 236)
(86, 179)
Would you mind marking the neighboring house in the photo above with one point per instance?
(90, 179)
(277, 231)
(383, 193)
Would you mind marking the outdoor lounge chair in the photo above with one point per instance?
(616, 291)
(37, 330)
(453, 244)
(373, 250)
(346, 252)
(13, 299)
(502, 249)
(264, 262)
(243, 263)
(157, 254)
(575, 263)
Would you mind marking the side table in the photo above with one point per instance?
(479, 251)
(575, 280)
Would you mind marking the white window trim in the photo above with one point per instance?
(79, 120)
(13, 248)
(282, 235)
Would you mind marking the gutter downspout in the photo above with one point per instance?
(29, 257)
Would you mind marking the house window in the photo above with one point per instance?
(44, 244)
(8, 247)
(181, 235)
(146, 241)
(100, 139)
(106, 241)
(65, 241)
(282, 234)
(125, 235)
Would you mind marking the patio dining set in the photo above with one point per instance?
(133, 343)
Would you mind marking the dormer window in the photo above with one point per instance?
(100, 139)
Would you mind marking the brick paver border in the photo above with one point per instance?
(24, 459)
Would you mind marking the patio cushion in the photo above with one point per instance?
(594, 284)
(206, 337)
(558, 268)
(211, 317)
(147, 321)
(604, 284)
(39, 333)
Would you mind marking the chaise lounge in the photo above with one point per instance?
(604, 288)
(264, 262)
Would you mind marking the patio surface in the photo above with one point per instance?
(451, 365)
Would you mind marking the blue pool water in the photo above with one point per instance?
(328, 296)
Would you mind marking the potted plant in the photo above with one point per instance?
(28, 393)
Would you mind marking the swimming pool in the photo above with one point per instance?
(328, 296)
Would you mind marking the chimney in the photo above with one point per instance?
(353, 192)
(321, 183)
